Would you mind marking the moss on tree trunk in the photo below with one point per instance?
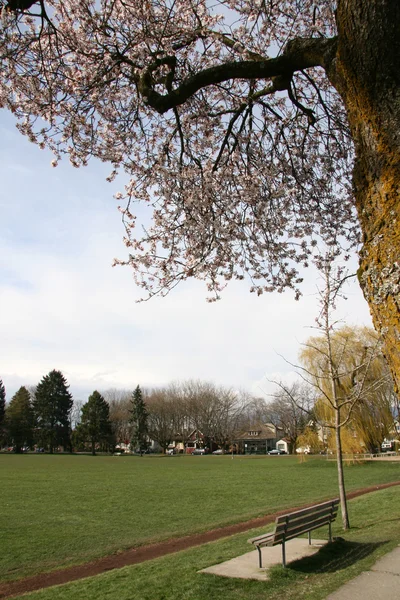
(367, 75)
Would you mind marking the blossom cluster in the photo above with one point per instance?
(243, 178)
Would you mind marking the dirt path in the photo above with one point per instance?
(143, 553)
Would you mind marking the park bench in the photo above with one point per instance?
(297, 523)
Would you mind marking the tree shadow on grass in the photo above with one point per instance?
(335, 557)
(373, 524)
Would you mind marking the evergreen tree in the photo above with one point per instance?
(19, 420)
(95, 425)
(2, 405)
(139, 421)
(52, 406)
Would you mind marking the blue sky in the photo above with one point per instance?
(64, 307)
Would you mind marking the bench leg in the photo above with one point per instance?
(330, 531)
(309, 538)
(283, 555)
(259, 557)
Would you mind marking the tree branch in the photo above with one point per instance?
(300, 54)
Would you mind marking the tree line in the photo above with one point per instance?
(47, 416)
(41, 416)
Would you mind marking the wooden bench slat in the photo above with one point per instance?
(297, 531)
(276, 537)
(310, 518)
(310, 509)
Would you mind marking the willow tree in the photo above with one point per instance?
(240, 130)
(370, 418)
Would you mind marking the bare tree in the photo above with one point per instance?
(76, 413)
(228, 417)
(164, 416)
(119, 402)
(326, 360)
(214, 411)
(291, 410)
(255, 412)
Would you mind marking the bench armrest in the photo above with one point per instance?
(262, 539)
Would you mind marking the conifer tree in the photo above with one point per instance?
(52, 406)
(2, 404)
(19, 420)
(95, 426)
(139, 421)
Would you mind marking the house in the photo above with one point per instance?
(196, 440)
(186, 444)
(259, 439)
(283, 445)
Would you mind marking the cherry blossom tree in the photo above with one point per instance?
(250, 128)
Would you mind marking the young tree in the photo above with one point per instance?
(241, 128)
(340, 376)
(19, 420)
(52, 405)
(139, 420)
(95, 425)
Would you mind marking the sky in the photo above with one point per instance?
(63, 306)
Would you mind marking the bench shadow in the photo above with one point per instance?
(336, 556)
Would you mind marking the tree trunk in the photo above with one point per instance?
(339, 458)
(367, 75)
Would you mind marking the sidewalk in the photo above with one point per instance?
(381, 581)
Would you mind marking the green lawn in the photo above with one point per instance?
(60, 510)
(375, 531)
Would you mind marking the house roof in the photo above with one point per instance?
(259, 432)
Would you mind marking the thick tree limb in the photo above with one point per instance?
(14, 5)
(299, 54)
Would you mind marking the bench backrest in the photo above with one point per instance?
(294, 524)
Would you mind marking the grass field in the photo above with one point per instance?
(60, 510)
(375, 531)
